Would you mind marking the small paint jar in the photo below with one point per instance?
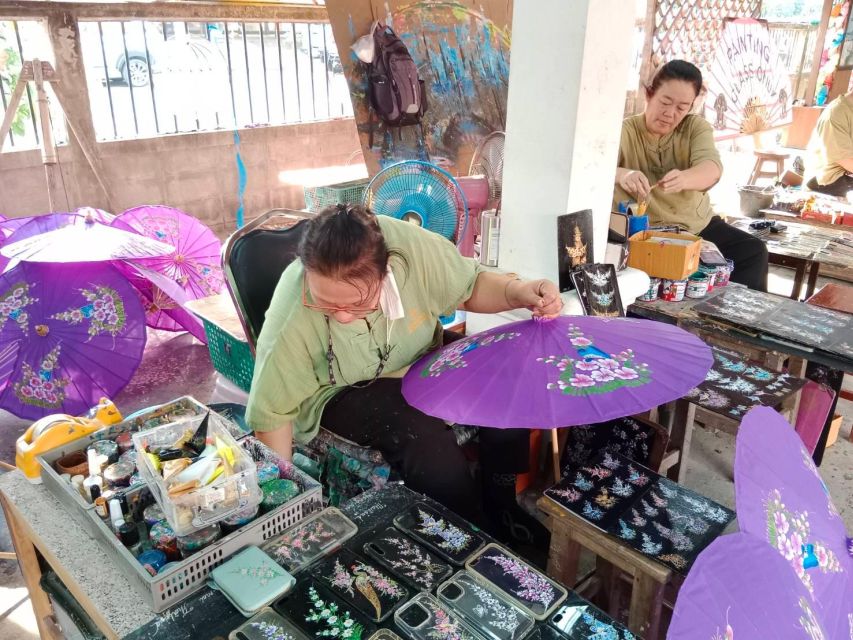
(697, 286)
(128, 456)
(153, 560)
(724, 274)
(153, 514)
(711, 274)
(124, 442)
(163, 537)
(277, 492)
(198, 540)
(653, 291)
(267, 471)
(106, 448)
(673, 290)
(136, 479)
(101, 507)
(239, 519)
(118, 474)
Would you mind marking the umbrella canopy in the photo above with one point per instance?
(194, 266)
(740, 588)
(782, 500)
(69, 335)
(556, 373)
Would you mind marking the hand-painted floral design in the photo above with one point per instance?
(13, 306)
(368, 581)
(444, 626)
(650, 547)
(637, 478)
(270, 631)
(595, 371)
(42, 388)
(592, 512)
(338, 622)
(493, 612)
(601, 630)
(453, 356)
(301, 542)
(657, 500)
(263, 574)
(689, 521)
(675, 560)
(680, 541)
(729, 635)
(707, 509)
(599, 473)
(605, 500)
(104, 312)
(626, 532)
(531, 586)
(810, 465)
(788, 532)
(582, 482)
(610, 462)
(636, 519)
(570, 495)
(415, 563)
(622, 489)
(809, 621)
(452, 537)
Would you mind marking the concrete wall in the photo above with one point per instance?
(194, 172)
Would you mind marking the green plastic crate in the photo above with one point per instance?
(318, 198)
(231, 356)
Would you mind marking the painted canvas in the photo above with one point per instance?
(574, 245)
(602, 291)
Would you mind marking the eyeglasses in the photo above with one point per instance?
(328, 310)
(331, 357)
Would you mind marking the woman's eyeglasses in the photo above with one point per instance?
(328, 310)
(331, 357)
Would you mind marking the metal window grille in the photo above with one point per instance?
(19, 41)
(151, 78)
(795, 44)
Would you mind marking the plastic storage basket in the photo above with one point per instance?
(231, 355)
(318, 198)
(206, 505)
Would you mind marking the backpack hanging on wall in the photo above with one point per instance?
(396, 94)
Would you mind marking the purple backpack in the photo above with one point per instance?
(395, 91)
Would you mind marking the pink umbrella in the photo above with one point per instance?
(194, 266)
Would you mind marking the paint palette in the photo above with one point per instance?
(655, 516)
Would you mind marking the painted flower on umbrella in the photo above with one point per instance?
(453, 356)
(13, 306)
(42, 388)
(595, 371)
(788, 531)
(104, 311)
(809, 621)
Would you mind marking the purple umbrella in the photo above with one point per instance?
(739, 589)
(567, 371)
(69, 335)
(194, 266)
(782, 500)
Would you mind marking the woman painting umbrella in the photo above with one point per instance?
(667, 158)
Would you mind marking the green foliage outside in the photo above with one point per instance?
(10, 69)
(802, 11)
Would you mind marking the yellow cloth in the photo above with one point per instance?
(690, 143)
(291, 380)
(831, 141)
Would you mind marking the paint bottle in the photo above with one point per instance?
(89, 483)
(129, 536)
(101, 507)
(116, 516)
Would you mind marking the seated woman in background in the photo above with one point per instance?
(667, 158)
(830, 161)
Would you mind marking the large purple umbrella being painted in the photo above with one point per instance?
(740, 589)
(561, 372)
(69, 335)
(782, 500)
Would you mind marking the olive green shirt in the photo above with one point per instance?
(690, 143)
(831, 141)
(291, 380)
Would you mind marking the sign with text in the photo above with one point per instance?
(749, 89)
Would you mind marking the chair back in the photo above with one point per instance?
(253, 259)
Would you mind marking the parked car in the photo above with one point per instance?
(129, 57)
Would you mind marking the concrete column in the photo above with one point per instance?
(567, 84)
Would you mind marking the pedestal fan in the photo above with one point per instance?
(487, 165)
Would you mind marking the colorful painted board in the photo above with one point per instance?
(647, 512)
(577, 619)
(629, 437)
(445, 533)
(602, 291)
(364, 586)
(574, 244)
(532, 590)
(406, 560)
(733, 385)
(322, 615)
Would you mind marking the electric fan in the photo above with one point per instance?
(421, 193)
(488, 161)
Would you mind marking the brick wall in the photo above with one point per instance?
(193, 172)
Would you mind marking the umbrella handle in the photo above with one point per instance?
(555, 454)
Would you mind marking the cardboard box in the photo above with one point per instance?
(834, 428)
(673, 256)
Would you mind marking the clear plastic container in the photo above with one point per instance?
(425, 618)
(486, 609)
(206, 505)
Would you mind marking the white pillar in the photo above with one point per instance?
(567, 84)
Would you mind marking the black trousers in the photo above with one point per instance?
(747, 252)
(421, 449)
(839, 188)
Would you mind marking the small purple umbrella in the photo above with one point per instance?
(194, 266)
(69, 335)
(740, 589)
(570, 370)
(782, 500)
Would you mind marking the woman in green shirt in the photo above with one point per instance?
(667, 158)
(348, 317)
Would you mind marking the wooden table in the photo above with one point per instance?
(570, 533)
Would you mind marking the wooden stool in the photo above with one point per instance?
(762, 157)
